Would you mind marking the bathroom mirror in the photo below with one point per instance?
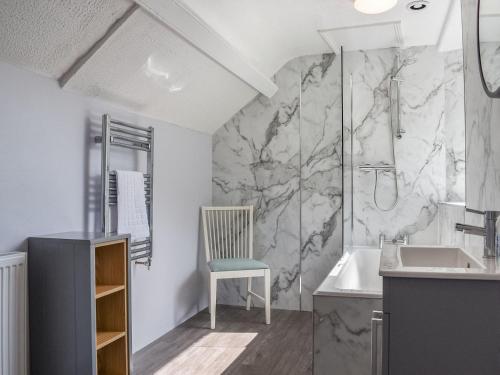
(489, 45)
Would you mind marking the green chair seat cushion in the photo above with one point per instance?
(236, 264)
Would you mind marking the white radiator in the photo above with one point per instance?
(13, 314)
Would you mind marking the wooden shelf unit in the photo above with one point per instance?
(111, 280)
(79, 298)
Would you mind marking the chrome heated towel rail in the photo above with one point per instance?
(122, 134)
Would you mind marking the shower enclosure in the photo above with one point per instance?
(399, 116)
(396, 132)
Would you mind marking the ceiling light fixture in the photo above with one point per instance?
(374, 6)
(418, 5)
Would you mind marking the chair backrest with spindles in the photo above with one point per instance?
(228, 232)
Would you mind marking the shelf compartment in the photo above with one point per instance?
(113, 358)
(106, 338)
(105, 290)
(111, 313)
(110, 264)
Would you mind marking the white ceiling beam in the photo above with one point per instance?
(176, 15)
(330, 42)
(82, 60)
(450, 35)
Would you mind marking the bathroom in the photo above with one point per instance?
(325, 187)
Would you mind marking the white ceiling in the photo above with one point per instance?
(364, 37)
(270, 33)
(147, 66)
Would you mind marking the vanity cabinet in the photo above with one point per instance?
(441, 326)
(79, 313)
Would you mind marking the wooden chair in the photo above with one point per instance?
(228, 233)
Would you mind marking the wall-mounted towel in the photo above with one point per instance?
(132, 214)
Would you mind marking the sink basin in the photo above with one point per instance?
(448, 257)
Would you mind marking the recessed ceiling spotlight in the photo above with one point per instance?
(418, 5)
(374, 6)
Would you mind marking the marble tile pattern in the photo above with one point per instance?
(448, 216)
(342, 335)
(321, 173)
(284, 156)
(454, 109)
(421, 154)
(482, 119)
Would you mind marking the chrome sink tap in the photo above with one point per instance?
(403, 240)
(489, 231)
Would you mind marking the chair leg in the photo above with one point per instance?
(213, 299)
(249, 296)
(267, 294)
(209, 295)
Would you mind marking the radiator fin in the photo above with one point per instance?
(13, 295)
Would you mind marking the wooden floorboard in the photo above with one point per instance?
(241, 344)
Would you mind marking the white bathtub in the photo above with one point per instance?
(355, 275)
(343, 307)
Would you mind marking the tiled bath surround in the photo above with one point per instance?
(342, 334)
(430, 157)
(284, 156)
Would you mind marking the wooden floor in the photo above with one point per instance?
(241, 344)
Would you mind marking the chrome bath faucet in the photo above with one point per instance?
(403, 240)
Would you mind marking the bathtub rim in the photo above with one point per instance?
(327, 289)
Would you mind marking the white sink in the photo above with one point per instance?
(433, 256)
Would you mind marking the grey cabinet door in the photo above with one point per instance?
(436, 327)
(385, 343)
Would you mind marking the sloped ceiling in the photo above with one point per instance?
(144, 65)
(154, 71)
(48, 36)
(147, 66)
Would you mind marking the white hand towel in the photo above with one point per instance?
(132, 214)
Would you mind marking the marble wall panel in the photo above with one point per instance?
(429, 156)
(284, 156)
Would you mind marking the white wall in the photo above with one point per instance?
(49, 179)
